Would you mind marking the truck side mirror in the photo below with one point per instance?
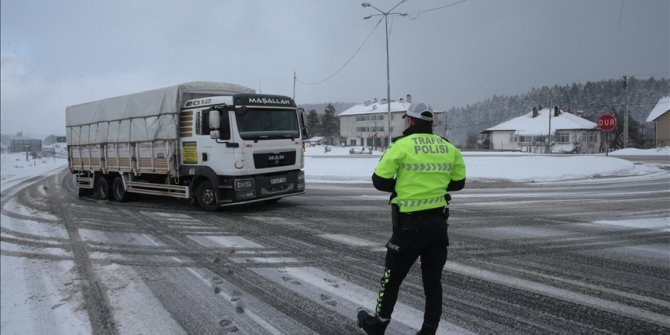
(303, 125)
(214, 123)
(214, 119)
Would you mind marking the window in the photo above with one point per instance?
(202, 124)
(562, 137)
(530, 139)
(370, 129)
(372, 117)
(268, 123)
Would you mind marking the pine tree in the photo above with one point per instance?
(330, 125)
(313, 123)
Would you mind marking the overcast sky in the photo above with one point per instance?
(59, 53)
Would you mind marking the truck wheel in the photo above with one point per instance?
(103, 188)
(206, 196)
(118, 191)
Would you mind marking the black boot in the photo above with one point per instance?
(371, 324)
(427, 330)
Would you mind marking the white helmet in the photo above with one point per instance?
(421, 111)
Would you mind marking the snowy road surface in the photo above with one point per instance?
(581, 256)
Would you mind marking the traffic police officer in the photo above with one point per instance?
(419, 168)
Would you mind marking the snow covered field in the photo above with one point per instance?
(339, 166)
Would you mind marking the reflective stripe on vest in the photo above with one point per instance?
(416, 203)
(427, 167)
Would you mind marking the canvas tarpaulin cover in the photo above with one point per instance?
(145, 116)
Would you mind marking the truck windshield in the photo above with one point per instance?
(268, 124)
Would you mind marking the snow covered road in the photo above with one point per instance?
(546, 257)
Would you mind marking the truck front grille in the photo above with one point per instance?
(274, 159)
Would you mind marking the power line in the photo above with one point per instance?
(347, 62)
(437, 8)
(366, 40)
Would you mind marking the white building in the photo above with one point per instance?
(366, 124)
(661, 117)
(529, 133)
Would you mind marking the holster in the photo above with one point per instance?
(395, 217)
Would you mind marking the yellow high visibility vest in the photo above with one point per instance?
(423, 165)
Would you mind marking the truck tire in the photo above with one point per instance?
(206, 196)
(103, 188)
(118, 190)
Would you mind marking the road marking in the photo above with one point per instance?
(267, 260)
(344, 297)
(558, 293)
(349, 240)
(224, 241)
(273, 219)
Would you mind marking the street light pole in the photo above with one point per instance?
(388, 64)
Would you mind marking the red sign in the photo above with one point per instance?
(606, 122)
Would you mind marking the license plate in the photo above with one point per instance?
(279, 180)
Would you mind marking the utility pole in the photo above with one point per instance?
(625, 111)
(549, 131)
(294, 78)
(388, 66)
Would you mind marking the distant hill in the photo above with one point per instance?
(588, 100)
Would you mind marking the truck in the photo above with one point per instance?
(215, 144)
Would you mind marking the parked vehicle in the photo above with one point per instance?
(216, 144)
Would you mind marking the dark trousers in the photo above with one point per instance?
(419, 235)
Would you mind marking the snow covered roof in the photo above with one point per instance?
(376, 108)
(662, 107)
(529, 125)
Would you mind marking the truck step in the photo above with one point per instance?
(175, 191)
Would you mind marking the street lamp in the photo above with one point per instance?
(388, 68)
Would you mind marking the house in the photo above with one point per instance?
(529, 133)
(366, 124)
(51, 139)
(21, 143)
(660, 115)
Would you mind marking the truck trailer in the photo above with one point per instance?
(216, 144)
